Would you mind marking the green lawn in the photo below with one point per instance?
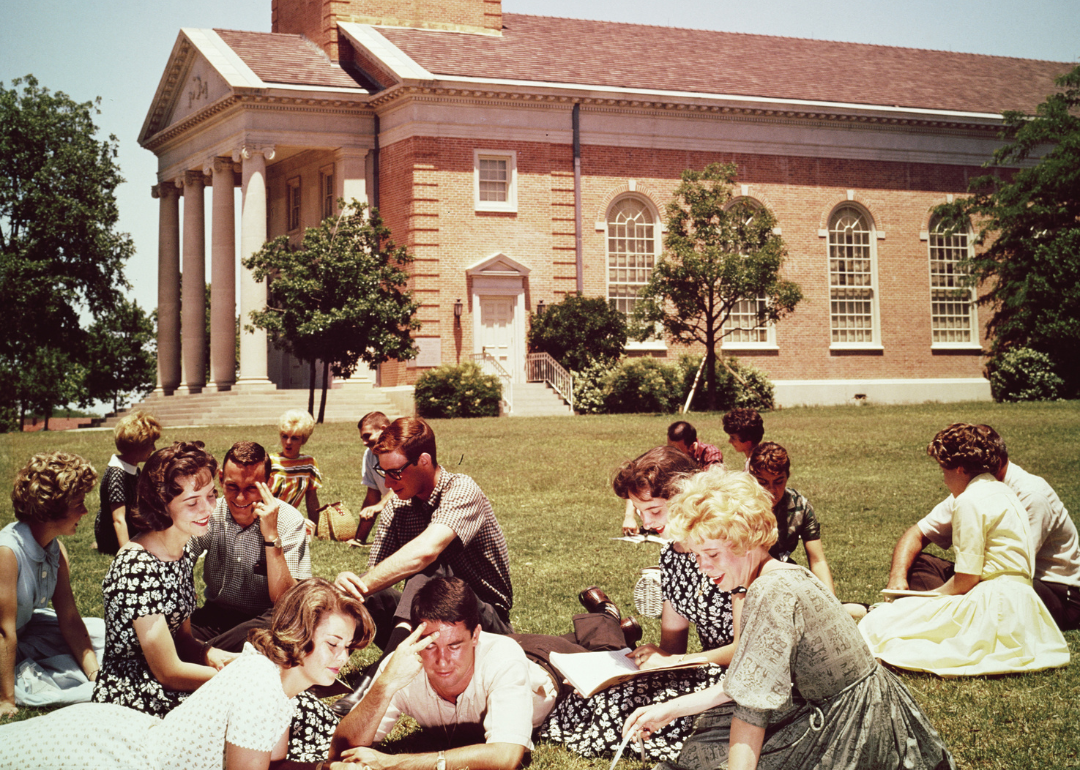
(865, 470)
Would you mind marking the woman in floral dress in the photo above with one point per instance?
(592, 726)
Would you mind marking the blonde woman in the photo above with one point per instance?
(803, 690)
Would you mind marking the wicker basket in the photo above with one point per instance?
(336, 522)
(648, 598)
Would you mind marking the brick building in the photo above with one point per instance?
(461, 122)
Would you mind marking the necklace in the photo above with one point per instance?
(448, 731)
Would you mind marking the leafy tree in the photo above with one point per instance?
(60, 255)
(578, 331)
(122, 360)
(1031, 268)
(718, 251)
(339, 297)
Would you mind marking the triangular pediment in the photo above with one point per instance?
(498, 265)
(201, 71)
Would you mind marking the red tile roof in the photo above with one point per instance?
(289, 59)
(600, 53)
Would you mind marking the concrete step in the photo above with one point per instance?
(537, 399)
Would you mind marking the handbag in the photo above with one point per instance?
(648, 598)
(336, 522)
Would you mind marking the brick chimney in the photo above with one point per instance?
(317, 19)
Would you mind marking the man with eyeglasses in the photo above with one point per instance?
(437, 523)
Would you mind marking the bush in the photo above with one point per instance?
(730, 393)
(461, 390)
(589, 388)
(641, 385)
(579, 331)
(1023, 374)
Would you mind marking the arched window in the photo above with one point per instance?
(631, 250)
(952, 302)
(852, 278)
(743, 321)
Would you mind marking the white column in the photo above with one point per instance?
(350, 181)
(222, 277)
(193, 283)
(252, 237)
(168, 302)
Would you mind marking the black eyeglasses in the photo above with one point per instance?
(393, 473)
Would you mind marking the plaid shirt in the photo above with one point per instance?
(233, 551)
(706, 455)
(478, 554)
(795, 520)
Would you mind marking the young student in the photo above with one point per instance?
(682, 436)
(371, 426)
(135, 436)
(745, 430)
(795, 519)
(294, 477)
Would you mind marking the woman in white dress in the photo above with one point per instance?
(240, 718)
(989, 620)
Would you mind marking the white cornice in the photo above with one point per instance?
(396, 61)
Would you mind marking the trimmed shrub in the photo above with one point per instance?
(578, 331)
(461, 390)
(590, 392)
(730, 393)
(1023, 374)
(641, 385)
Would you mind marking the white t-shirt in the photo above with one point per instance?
(508, 694)
(1053, 535)
(371, 478)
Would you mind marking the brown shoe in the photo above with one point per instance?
(631, 630)
(593, 599)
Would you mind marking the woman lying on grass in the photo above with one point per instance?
(242, 714)
(803, 689)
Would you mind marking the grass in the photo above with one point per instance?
(864, 469)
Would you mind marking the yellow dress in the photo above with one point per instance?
(998, 627)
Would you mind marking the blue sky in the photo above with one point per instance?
(118, 50)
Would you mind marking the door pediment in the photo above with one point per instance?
(498, 274)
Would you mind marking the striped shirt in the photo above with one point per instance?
(290, 480)
(478, 555)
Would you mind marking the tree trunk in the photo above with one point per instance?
(311, 389)
(710, 368)
(325, 383)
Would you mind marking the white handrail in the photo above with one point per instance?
(491, 365)
(541, 367)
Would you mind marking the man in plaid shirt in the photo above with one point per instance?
(256, 550)
(437, 523)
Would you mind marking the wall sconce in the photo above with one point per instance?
(540, 307)
(458, 310)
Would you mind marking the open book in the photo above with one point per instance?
(642, 539)
(591, 672)
(897, 593)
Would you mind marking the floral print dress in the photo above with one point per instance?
(593, 726)
(140, 584)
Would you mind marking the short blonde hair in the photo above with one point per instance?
(298, 421)
(722, 505)
(135, 431)
(48, 484)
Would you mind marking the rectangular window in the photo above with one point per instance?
(495, 180)
(328, 200)
(952, 302)
(294, 204)
(743, 319)
(852, 310)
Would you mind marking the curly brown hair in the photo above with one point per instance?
(657, 472)
(746, 424)
(297, 614)
(770, 457)
(973, 448)
(160, 481)
(48, 484)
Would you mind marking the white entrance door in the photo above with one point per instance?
(497, 330)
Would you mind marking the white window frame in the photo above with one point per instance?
(511, 203)
(293, 214)
(972, 343)
(327, 193)
(657, 250)
(872, 235)
(768, 331)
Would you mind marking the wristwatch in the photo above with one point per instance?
(440, 763)
(275, 543)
